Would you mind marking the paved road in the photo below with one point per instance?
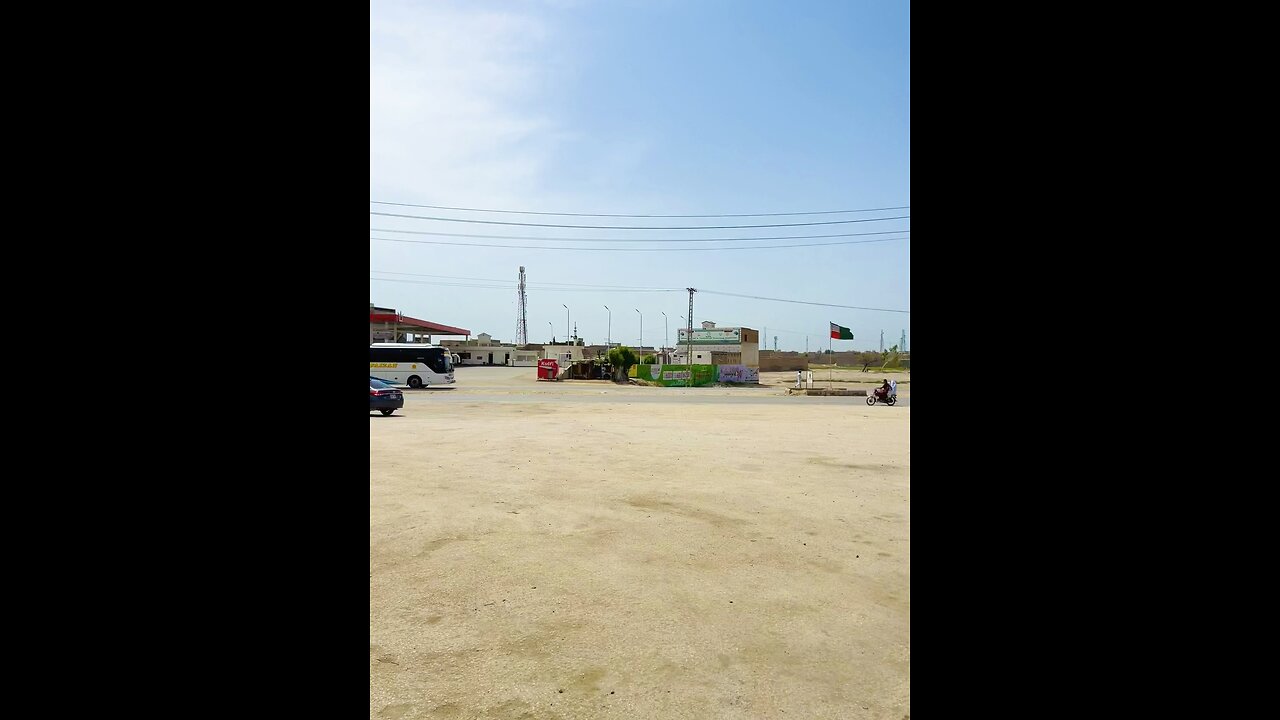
(517, 385)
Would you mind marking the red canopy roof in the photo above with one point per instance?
(436, 328)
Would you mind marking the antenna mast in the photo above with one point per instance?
(522, 320)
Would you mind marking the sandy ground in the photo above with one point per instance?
(839, 378)
(588, 550)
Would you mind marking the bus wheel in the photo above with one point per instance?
(415, 382)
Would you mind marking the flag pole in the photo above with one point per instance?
(831, 371)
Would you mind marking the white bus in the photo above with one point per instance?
(413, 364)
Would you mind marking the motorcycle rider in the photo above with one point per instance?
(883, 390)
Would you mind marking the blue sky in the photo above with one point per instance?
(629, 107)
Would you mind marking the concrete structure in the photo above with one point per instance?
(857, 359)
(390, 325)
(564, 354)
(526, 358)
(719, 346)
(772, 361)
(483, 350)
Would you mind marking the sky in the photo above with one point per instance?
(630, 107)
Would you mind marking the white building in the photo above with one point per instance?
(564, 354)
(482, 351)
(526, 358)
(719, 346)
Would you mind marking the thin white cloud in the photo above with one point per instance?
(452, 103)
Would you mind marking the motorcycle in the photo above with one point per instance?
(883, 396)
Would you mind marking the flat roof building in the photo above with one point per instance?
(719, 346)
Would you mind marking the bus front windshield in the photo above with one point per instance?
(440, 362)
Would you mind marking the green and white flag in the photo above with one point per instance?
(840, 333)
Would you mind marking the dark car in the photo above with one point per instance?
(384, 398)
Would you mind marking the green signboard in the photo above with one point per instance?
(717, 336)
(676, 375)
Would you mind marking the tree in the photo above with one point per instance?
(649, 360)
(621, 358)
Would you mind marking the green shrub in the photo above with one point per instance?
(621, 358)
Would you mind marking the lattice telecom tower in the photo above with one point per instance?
(522, 319)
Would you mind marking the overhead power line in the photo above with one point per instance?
(638, 227)
(606, 288)
(533, 212)
(801, 302)
(512, 286)
(633, 240)
(449, 284)
(797, 332)
(544, 284)
(580, 249)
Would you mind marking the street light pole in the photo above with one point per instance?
(566, 323)
(553, 331)
(609, 333)
(641, 348)
(678, 331)
(664, 331)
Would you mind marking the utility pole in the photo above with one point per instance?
(775, 343)
(689, 336)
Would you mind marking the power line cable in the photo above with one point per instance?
(532, 212)
(797, 332)
(636, 240)
(513, 286)
(638, 227)
(801, 302)
(697, 249)
(450, 284)
(541, 284)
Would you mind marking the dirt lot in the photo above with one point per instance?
(589, 550)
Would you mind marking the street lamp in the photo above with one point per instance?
(664, 332)
(678, 332)
(609, 333)
(566, 322)
(641, 332)
(553, 331)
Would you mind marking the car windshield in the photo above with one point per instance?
(377, 384)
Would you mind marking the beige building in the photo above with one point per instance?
(719, 346)
(526, 358)
(564, 354)
(483, 350)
